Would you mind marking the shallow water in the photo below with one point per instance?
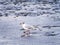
(10, 32)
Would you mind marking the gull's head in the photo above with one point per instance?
(21, 23)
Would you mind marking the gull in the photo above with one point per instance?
(27, 28)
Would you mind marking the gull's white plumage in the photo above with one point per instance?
(28, 27)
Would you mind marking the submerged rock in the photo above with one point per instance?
(51, 34)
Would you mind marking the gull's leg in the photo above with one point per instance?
(23, 35)
(26, 33)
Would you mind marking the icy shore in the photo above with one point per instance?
(30, 13)
(29, 9)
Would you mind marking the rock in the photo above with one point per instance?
(51, 34)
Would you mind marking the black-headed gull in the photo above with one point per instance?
(27, 28)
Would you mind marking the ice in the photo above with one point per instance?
(33, 14)
(11, 33)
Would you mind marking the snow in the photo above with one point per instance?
(10, 30)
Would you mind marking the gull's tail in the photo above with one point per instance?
(37, 27)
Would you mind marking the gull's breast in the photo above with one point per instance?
(27, 27)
